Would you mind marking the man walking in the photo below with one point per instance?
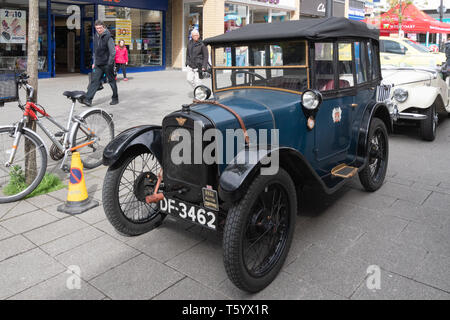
(104, 56)
(196, 58)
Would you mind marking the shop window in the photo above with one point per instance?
(345, 65)
(140, 29)
(324, 66)
(14, 19)
(235, 16)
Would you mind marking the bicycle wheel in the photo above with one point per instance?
(98, 125)
(18, 180)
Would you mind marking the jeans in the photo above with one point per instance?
(122, 66)
(192, 77)
(96, 81)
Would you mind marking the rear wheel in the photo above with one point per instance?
(429, 125)
(18, 180)
(98, 125)
(258, 232)
(373, 174)
(125, 187)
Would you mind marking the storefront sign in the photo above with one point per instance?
(123, 30)
(313, 7)
(279, 4)
(13, 26)
(140, 4)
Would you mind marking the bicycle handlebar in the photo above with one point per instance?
(23, 80)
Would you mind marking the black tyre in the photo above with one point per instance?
(17, 181)
(101, 124)
(373, 174)
(125, 187)
(429, 125)
(258, 231)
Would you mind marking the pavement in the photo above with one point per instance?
(391, 244)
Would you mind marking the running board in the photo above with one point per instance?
(344, 171)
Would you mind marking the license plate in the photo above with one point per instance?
(193, 213)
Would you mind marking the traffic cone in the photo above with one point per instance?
(78, 200)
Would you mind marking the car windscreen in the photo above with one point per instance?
(279, 65)
(417, 46)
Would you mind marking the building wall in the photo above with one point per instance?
(177, 33)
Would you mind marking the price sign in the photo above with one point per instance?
(13, 26)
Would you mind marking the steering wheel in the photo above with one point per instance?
(254, 74)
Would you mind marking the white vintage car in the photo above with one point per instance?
(420, 94)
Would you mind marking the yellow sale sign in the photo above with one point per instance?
(123, 30)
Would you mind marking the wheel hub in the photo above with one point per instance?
(144, 185)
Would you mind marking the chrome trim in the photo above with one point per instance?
(412, 116)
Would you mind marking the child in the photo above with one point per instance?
(122, 59)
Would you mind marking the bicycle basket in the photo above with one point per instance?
(9, 90)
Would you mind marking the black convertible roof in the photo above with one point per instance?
(311, 29)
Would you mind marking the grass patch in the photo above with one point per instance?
(17, 184)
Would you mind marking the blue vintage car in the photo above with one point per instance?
(292, 104)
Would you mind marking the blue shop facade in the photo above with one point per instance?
(66, 29)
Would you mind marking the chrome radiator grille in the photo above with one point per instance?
(384, 92)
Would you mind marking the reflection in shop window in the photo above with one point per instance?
(140, 29)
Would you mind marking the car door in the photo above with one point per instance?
(335, 79)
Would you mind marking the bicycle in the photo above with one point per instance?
(87, 133)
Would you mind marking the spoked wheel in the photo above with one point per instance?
(372, 176)
(96, 125)
(19, 179)
(258, 232)
(125, 187)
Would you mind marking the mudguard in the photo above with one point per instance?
(147, 136)
(239, 174)
(379, 110)
(419, 97)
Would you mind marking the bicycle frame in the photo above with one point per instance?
(30, 112)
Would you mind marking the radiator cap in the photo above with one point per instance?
(186, 107)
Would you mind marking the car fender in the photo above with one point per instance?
(147, 136)
(238, 175)
(379, 110)
(421, 97)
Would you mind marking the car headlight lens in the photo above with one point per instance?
(400, 94)
(311, 99)
(202, 93)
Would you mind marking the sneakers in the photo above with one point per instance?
(125, 79)
(114, 102)
(86, 102)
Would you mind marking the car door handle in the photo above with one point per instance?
(354, 105)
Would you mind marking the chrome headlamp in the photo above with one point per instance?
(202, 92)
(311, 99)
(400, 94)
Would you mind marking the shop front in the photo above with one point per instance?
(66, 30)
(229, 16)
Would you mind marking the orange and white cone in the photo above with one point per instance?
(78, 200)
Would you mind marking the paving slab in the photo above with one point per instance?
(4, 233)
(43, 201)
(438, 200)
(434, 271)
(56, 289)
(97, 256)
(396, 287)
(143, 278)
(335, 272)
(26, 270)
(55, 230)
(402, 192)
(14, 246)
(188, 289)
(71, 241)
(14, 209)
(28, 221)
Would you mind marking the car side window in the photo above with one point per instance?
(370, 55)
(394, 47)
(323, 66)
(360, 62)
(345, 65)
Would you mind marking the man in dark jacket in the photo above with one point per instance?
(196, 58)
(104, 56)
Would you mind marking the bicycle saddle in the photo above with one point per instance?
(74, 94)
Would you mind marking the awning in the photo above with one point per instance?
(413, 21)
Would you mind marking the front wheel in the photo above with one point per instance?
(24, 174)
(97, 125)
(429, 125)
(125, 187)
(373, 174)
(258, 231)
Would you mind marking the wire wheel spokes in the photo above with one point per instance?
(266, 230)
(377, 155)
(20, 176)
(131, 203)
(95, 127)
